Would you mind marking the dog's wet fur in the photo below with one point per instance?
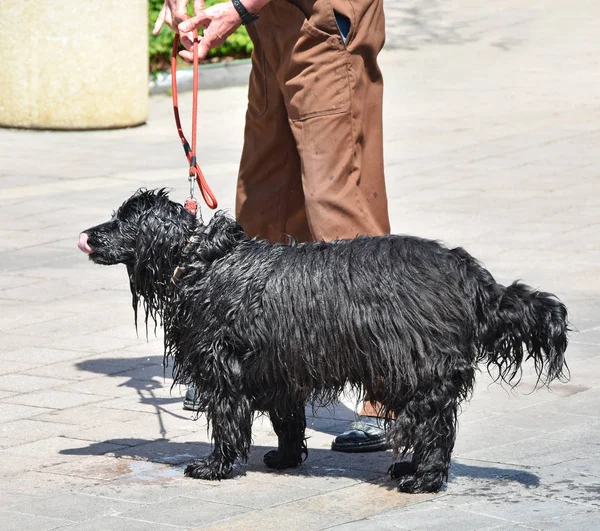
(260, 327)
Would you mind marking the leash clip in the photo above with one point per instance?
(191, 205)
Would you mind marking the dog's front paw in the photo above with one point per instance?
(207, 469)
(274, 460)
(400, 469)
(414, 484)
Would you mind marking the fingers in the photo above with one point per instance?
(179, 12)
(187, 40)
(193, 23)
(198, 6)
(186, 55)
(204, 46)
(159, 21)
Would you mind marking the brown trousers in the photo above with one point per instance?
(312, 163)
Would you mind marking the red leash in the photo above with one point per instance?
(190, 151)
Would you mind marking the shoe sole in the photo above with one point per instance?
(360, 448)
(190, 406)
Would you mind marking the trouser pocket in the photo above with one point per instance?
(315, 71)
(343, 23)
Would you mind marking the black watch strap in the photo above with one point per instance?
(246, 16)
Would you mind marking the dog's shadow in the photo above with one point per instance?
(163, 457)
(157, 459)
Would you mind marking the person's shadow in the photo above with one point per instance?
(145, 375)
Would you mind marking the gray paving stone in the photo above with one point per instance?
(74, 507)
(576, 482)
(54, 450)
(149, 485)
(11, 366)
(425, 518)
(489, 433)
(14, 412)
(28, 430)
(88, 416)
(522, 509)
(537, 451)
(186, 512)
(325, 510)
(23, 383)
(38, 356)
(587, 520)
(582, 404)
(10, 521)
(367, 525)
(509, 527)
(257, 493)
(534, 420)
(55, 399)
(582, 433)
(586, 465)
(117, 523)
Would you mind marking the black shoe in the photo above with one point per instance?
(365, 435)
(190, 402)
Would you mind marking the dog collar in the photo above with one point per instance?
(177, 274)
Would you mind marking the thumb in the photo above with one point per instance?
(203, 49)
(193, 23)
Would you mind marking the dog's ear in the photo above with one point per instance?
(159, 241)
(135, 298)
(160, 238)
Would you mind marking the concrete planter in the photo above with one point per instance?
(73, 65)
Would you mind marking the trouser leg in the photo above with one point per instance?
(333, 93)
(312, 164)
(270, 199)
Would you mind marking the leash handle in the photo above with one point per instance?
(190, 150)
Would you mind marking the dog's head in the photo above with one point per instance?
(146, 234)
(144, 222)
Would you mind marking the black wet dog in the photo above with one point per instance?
(261, 327)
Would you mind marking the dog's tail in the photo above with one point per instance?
(518, 323)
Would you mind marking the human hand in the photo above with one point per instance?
(219, 21)
(173, 13)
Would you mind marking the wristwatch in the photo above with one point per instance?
(244, 14)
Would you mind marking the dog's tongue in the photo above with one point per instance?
(83, 243)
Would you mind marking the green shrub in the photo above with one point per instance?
(236, 46)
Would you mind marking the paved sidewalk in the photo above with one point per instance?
(492, 132)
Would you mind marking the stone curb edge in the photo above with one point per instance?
(212, 76)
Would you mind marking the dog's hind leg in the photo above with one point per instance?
(289, 425)
(428, 425)
(230, 417)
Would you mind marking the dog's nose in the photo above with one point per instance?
(83, 243)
